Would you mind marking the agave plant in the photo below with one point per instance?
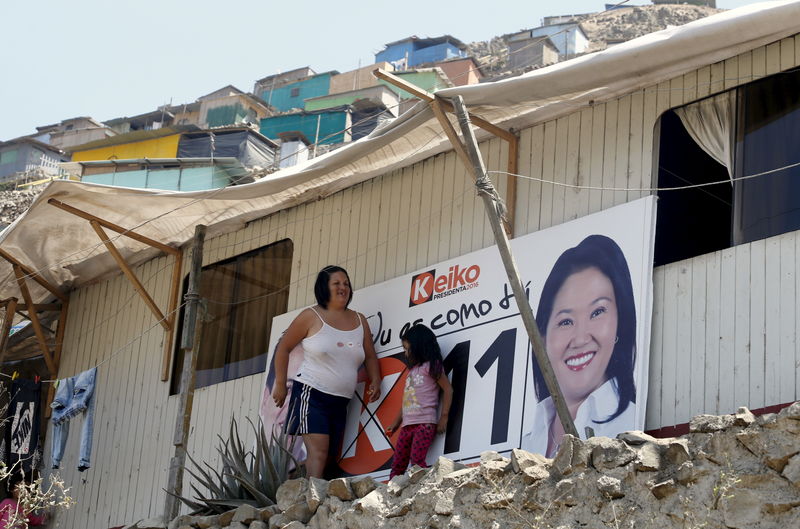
(249, 476)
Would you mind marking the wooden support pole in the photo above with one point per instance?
(190, 348)
(487, 192)
(33, 275)
(169, 250)
(8, 320)
(172, 314)
(137, 285)
(37, 327)
(511, 185)
(451, 133)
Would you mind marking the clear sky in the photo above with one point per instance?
(108, 59)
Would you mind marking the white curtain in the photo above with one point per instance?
(710, 122)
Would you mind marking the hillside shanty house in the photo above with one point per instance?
(725, 304)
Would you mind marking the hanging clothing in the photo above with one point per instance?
(22, 434)
(74, 396)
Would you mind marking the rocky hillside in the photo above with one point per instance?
(735, 471)
(617, 25)
(13, 204)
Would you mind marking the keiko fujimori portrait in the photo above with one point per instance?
(587, 318)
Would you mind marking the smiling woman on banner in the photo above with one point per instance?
(336, 341)
(587, 318)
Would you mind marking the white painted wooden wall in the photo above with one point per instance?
(731, 313)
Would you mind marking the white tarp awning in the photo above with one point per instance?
(65, 250)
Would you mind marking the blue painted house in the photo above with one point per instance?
(325, 127)
(287, 92)
(26, 154)
(414, 51)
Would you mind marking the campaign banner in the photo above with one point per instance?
(589, 284)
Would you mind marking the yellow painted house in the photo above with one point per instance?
(159, 143)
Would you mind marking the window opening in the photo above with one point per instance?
(241, 296)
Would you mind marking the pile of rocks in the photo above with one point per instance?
(734, 471)
(13, 204)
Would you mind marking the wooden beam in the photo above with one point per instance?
(172, 314)
(43, 307)
(511, 185)
(427, 96)
(137, 285)
(33, 275)
(62, 324)
(37, 327)
(8, 319)
(114, 227)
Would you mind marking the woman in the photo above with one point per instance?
(587, 318)
(336, 342)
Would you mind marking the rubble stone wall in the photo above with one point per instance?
(732, 471)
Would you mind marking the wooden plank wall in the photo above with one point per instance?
(725, 334)
(740, 340)
(133, 422)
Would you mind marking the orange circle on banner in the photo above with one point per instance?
(366, 459)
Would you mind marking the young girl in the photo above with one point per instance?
(418, 416)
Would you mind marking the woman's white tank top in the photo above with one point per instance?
(332, 359)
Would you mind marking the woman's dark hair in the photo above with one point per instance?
(321, 289)
(423, 347)
(601, 252)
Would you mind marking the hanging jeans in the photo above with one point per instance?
(75, 395)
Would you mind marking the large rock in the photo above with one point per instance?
(792, 470)
(439, 470)
(363, 486)
(226, 517)
(648, 458)
(316, 493)
(397, 484)
(609, 453)
(245, 514)
(278, 521)
(522, 459)
(341, 489)
(204, 522)
(573, 455)
(773, 445)
(711, 423)
(298, 512)
(610, 487)
(290, 492)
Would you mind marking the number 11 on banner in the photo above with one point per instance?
(487, 367)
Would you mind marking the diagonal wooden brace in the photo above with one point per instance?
(33, 275)
(137, 285)
(37, 326)
(8, 319)
(114, 227)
